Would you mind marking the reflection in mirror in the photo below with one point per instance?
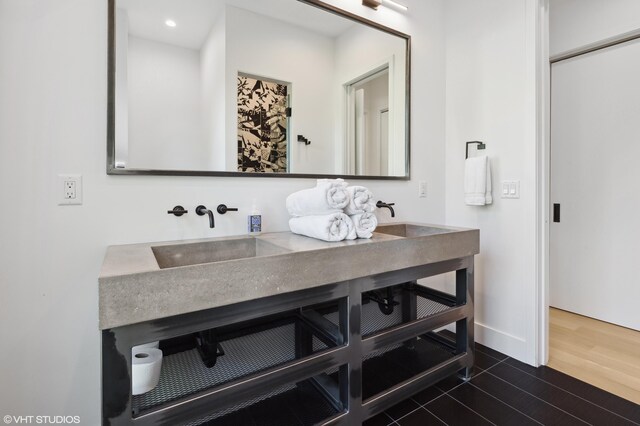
(258, 87)
(368, 102)
(263, 125)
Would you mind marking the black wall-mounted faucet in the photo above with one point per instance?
(381, 204)
(202, 210)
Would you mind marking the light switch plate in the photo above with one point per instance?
(510, 189)
(422, 189)
(69, 188)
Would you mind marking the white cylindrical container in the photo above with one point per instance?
(146, 364)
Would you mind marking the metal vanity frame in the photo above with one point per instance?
(117, 343)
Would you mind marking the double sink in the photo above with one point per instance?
(143, 282)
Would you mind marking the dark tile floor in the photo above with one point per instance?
(504, 391)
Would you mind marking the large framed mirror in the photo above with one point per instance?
(282, 88)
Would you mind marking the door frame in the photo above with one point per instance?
(540, 344)
(543, 180)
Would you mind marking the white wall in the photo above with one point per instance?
(575, 23)
(165, 109)
(53, 97)
(213, 92)
(277, 50)
(490, 57)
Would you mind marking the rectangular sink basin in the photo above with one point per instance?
(407, 230)
(172, 256)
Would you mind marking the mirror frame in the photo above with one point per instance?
(111, 82)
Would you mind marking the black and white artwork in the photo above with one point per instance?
(262, 125)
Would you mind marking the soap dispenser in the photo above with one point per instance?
(254, 220)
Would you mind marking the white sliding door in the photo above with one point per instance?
(595, 177)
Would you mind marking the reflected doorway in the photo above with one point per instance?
(368, 124)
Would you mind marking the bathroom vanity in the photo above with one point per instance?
(302, 331)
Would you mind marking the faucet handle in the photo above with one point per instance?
(222, 209)
(178, 211)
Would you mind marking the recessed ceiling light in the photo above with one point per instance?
(170, 23)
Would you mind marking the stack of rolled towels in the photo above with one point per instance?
(332, 211)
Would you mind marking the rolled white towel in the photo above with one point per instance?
(360, 201)
(352, 235)
(329, 196)
(364, 224)
(329, 227)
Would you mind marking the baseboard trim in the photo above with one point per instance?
(508, 344)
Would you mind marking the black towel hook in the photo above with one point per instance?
(481, 145)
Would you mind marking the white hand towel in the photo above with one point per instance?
(330, 227)
(364, 224)
(329, 196)
(361, 201)
(477, 181)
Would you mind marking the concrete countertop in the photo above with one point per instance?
(134, 288)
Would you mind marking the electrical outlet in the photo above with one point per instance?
(70, 190)
(422, 189)
(70, 187)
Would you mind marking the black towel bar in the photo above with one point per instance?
(481, 145)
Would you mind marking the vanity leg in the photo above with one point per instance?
(409, 308)
(304, 341)
(116, 377)
(343, 374)
(465, 327)
(352, 328)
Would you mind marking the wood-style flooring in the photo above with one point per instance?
(599, 353)
(504, 391)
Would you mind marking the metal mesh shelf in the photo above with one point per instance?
(374, 320)
(184, 374)
(388, 367)
(298, 404)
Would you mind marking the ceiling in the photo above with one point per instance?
(195, 18)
